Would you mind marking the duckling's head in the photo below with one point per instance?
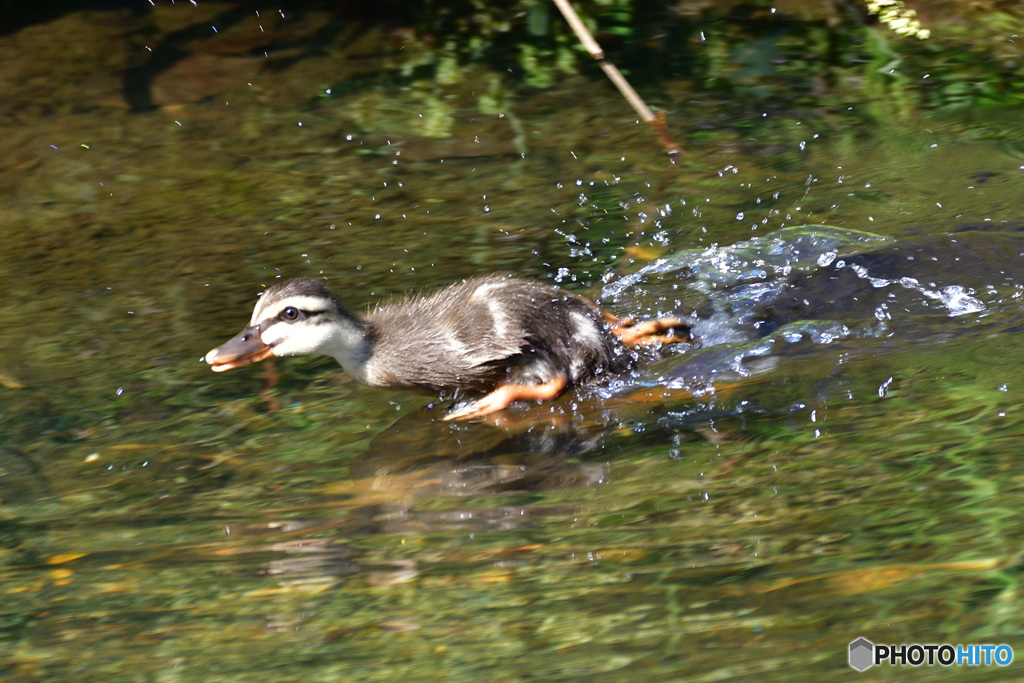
(296, 318)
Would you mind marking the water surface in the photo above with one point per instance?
(839, 457)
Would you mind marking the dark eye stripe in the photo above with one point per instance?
(293, 314)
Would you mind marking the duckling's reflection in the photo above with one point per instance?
(531, 449)
(422, 457)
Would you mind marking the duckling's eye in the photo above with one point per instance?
(290, 314)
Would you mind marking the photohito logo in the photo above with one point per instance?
(864, 654)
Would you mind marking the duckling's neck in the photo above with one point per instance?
(350, 344)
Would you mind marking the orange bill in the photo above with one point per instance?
(244, 348)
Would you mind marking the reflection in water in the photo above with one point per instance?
(417, 460)
(508, 436)
(508, 453)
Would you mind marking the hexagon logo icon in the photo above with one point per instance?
(862, 654)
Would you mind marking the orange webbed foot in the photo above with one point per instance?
(649, 332)
(507, 394)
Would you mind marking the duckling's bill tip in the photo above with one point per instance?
(237, 352)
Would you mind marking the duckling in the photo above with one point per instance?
(502, 338)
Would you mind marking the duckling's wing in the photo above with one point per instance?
(489, 331)
(461, 337)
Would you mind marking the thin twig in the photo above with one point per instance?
(657, 123)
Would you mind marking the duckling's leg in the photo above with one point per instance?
(648, 332)
(507, 394)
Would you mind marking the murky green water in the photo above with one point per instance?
(850, 466)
